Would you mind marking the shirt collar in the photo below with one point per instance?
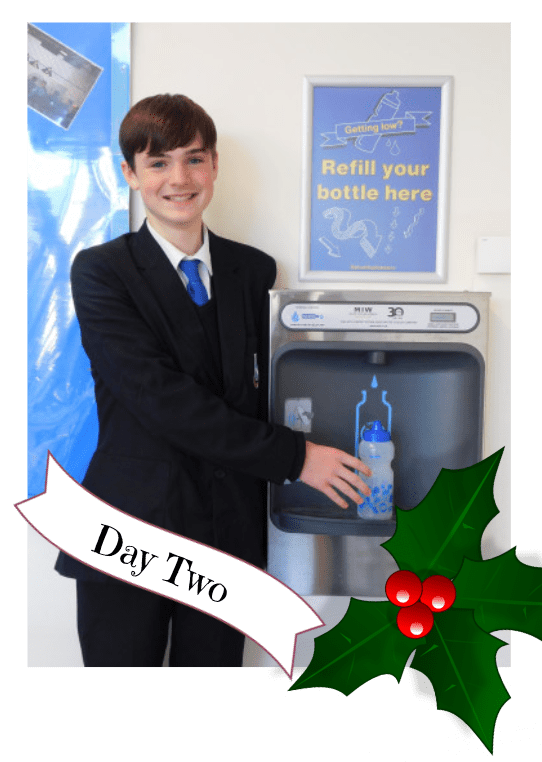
(175, 255)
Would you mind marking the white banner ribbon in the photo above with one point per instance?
(124, 547)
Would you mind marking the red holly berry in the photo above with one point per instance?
(403, 588)
(438, 592)
(415, 621)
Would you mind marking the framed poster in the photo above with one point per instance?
(376, 164)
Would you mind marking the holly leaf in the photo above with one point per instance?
(504, 593)
(366, 643)
(448, 524)
(460, 661)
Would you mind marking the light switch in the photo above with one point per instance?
(494, 254)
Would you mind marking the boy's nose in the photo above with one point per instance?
(178, 174)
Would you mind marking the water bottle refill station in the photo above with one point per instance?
(341, 360)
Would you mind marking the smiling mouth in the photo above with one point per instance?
(177, 198)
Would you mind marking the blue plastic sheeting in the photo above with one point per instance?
(77, 198)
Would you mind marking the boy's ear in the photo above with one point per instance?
(129, 175)
(215, 164)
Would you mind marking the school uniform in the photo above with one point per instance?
(184, 441)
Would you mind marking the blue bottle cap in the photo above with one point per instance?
(377, 433)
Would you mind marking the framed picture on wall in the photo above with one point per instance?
(59, 79)
(376, 166)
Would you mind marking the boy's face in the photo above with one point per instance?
(176, 187)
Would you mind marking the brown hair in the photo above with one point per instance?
(162, 123)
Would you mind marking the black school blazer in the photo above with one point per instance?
(177, 447)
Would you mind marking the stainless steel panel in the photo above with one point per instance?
(348, 565)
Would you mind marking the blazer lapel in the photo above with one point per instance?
(228, 288)
(184, 331)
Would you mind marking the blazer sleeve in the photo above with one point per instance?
(128, 356)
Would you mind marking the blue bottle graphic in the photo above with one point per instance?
(376, 450)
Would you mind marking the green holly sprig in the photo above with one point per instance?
(441, 536)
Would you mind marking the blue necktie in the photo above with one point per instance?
(195, 287)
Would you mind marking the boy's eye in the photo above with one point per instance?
(158, 164)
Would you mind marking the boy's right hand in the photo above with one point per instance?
(329, 469)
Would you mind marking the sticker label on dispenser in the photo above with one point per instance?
(298, 414)
(428, 317)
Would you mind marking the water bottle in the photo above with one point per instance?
(376, 450)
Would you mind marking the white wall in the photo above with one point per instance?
(249, 77)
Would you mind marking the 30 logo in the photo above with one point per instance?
(395, 311)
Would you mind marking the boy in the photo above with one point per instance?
(174, 321)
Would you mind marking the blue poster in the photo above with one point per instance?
(78, 86)
(375, 177)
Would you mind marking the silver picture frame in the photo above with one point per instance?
(435, 248)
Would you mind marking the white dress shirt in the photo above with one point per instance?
(175, 256)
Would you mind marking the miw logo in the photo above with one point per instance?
(363, 309)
